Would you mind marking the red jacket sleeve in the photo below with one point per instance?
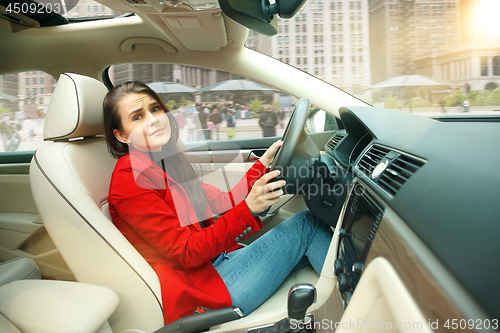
(152, 214)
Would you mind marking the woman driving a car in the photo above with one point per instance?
(165, 211)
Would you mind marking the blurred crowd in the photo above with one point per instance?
(206, 121)
(201, 121)
(11, 126)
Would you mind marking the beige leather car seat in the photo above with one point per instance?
(69, 180)
(47, 306)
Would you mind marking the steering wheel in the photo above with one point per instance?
(293, 132)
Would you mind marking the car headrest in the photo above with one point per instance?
(75, 109)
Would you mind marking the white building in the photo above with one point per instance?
(328, 39)
(34, 91)
(403, 30)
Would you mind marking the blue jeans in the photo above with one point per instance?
(253, 273)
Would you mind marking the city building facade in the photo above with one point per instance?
(34, 92)
(9, 86)
(474, 63)
(402, 31)
(328, 39)
(197, 77)
(33, 89)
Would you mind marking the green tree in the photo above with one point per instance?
(185, 101)
(172, 105)
(417, 102)
(255, 105)
(472, 96)
(3, 109)
(495, 97)
(451, 99)
(483, 98)
(392, 102)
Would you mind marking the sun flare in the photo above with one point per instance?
(488, 15)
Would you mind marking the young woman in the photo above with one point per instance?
(161, 207)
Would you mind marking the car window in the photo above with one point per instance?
(88, 8)
(369, 48)
(24, 98)
(210, 104)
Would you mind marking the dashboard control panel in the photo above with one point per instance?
(361, 219)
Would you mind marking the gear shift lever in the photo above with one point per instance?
(300, 298)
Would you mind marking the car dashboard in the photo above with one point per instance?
(421, 200)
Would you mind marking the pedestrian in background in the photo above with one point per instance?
(442, 103)
(268, 121)
(203, 116)
(19, 115)
(466, 105)
(246, 113)
(231, 125)
(216, 119)
(9, 131)
(458, 104)
(210, 127)
(181, 120)
(281, 116)
(191, 126)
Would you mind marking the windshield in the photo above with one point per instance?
(89, 9)
(435, 58)
(430, 57)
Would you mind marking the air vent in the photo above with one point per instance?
(398, 172)
(371, 159)
(330, 145)
(388, 168)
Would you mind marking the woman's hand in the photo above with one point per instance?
(268, 157)
(263, 194)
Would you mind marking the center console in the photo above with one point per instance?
(360, 222)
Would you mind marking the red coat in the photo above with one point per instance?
(168, 235)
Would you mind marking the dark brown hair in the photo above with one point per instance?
(112, 119)
(176, 165)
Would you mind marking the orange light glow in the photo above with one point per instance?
(488, 11)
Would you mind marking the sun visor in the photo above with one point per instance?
(203, 32)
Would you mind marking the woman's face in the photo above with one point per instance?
(145, 125)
